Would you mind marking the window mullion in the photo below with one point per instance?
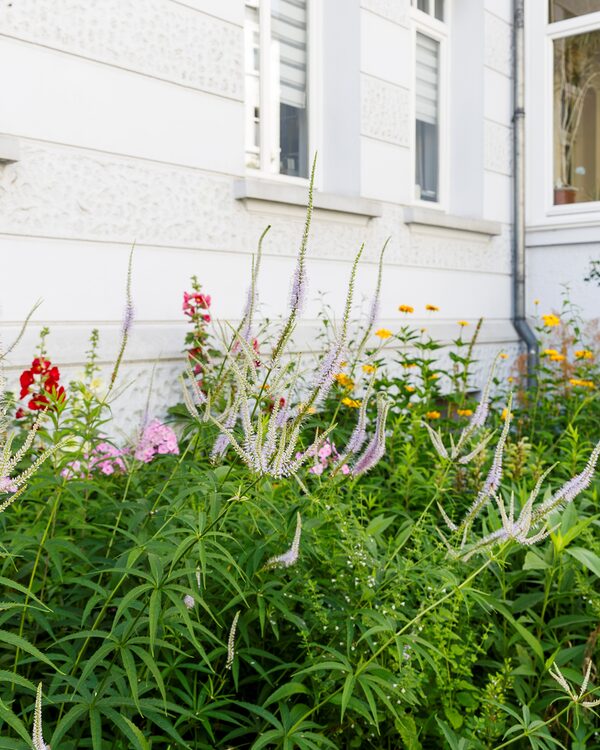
(266, 88)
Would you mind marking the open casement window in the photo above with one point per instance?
(277, 86)
(575, 39)
(430, 38)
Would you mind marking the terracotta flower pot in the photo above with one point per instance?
(564, 195)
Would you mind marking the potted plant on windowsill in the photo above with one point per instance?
(577, 70)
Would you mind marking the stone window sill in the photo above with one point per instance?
(273, 191)
(9, 149)
(432, 218)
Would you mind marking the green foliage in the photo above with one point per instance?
(122, 592)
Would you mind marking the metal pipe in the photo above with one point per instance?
(519, 318)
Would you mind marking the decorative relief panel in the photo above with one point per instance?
(384, 111)
(497, 147)
(394, 10)
(498, 44)
(155, 37)
(65, 192)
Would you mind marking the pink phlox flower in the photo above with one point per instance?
(157, 438)
(107, 458)
(317, 469)
(325, 450)
(7, 485)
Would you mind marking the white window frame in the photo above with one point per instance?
(430, 26)
(269, 86)
(554, 31)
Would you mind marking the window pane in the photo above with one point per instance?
(439, 9)
(562, 9)
(289, 35)
(252, 94)
(423, 5)
(577, 118)
(427, 118)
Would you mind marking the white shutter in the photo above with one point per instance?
(288, 29)
(427, 79)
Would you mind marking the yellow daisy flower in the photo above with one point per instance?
(582, 383)
(409, 388)
(352, 403)
(432, 308)
(584, 354)
(433, 415)
(368, 369)
(406, 309)
(463, 323)
(383, 333)
(551, 320)
(464, 412)
(344, 380)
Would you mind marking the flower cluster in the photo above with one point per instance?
(344, 380)
(551, 320)
(157, 438)
(326, 456)
(554, 355)
(196, 306)
(104, 458)
(41, 383)
(577, 382)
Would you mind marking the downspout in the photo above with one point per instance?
(518, 250)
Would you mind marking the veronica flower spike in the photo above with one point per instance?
(289, 558)
(376, 447)
(231, 641)
(37, 739)
(569, 491)
(556, 674)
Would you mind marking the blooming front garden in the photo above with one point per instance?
(362, 551)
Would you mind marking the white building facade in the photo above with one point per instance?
(187, 126)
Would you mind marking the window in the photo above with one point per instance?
(560, 10)
(430, 38)
(575, 102)
(277, 86)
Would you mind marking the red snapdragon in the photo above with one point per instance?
(41, 383)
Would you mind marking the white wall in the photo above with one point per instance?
(129, 117)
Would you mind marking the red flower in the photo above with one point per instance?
(26, 381)
(46, 382)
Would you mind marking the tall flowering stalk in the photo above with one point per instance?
(376, 447)
(247, 321)
(299, 281)
(289, 558)
(231, 641)
(375, 302)
(128, 315)
(37, 738)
